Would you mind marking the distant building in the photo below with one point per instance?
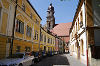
(62, 31)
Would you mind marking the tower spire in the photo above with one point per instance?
(50, 17)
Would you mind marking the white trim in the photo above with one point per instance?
(7, 28)
(36, 42)
(7, 49)
(32, 33)
(3, 34)
(4, 10)
(23, 39)
(20, 15)
(22, 12)
(1, 4)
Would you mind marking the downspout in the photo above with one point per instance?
(12, 40)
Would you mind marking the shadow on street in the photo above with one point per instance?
(60, 59)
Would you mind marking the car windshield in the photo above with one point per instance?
(16, 56)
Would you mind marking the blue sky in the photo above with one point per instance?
(64, 10)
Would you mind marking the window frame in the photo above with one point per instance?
(29, 31)
(19, 26)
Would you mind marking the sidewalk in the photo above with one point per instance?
(73, 61)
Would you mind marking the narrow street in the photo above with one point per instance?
(56, 60)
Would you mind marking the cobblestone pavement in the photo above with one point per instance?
(56, 60)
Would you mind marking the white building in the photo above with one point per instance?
(84, 33)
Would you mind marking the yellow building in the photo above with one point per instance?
(47, 41)
(26, 27)
(20, 29)
(7, 8)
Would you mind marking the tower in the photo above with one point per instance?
(50, 17)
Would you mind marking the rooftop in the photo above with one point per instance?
(62, 29)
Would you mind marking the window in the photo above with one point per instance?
(81, 19)
(36, 35)
(78, 24)
(19, 26)
(27, 49)
(23, 7)
(48, 40)
(31, 15)
(41, 37)
(45, 38)
(37, 22)
(29, 30)
(18, 49)
(51, 40)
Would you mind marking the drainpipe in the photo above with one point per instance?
(12, 40)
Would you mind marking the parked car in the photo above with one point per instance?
(44, 54)
(50, 53)
(40, 55)
(55, 52)
(18, 59)
(36, 57)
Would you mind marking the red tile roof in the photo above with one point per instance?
(62, 29)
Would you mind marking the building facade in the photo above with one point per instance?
(18, 26)
(62, 31)
(47, 41)
(6, 21)
(20, 29)
(84, 33)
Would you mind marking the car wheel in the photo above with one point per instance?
(20, 64)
